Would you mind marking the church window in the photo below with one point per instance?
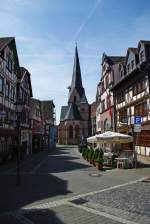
(75, 99)
(77, 132)
(70, 131)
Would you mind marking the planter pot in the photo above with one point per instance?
(93, 162)
(99, 166)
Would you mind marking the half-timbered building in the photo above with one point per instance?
(25, 94)
(109, 75)
(132, 96)
(9, 71)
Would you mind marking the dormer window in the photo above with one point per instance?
(1, 84)
(128, 68)
(132, 64)
(121, 73)
(104, 67)
(142, 56)
(9, 63)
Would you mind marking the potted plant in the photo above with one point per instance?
(95, 156)
(91, 155)
(99, 163)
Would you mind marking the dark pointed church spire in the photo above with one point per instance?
(76, 77)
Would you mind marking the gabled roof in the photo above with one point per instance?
(145, 42)
(47, 108)
(113, 59)
(48, 102)
(83, 98)
(24, 72)
(64, 110)
(134, 51)
(72, 113)
(4, 41)
(76, 76)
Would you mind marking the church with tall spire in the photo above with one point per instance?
(74, 118)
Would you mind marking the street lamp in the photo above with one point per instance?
(19, 109)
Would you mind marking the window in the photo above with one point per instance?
(103, 105)
(141, 109)
(37, 112)
(77, 132)
(128, 68)
(108, 102)
(1, 84)
(123, 116)
(144, 138)
(75, 99)
(142, 56)
(12, 93)
(102, 87)
(139, 87)
(132, 64)
(121, 73)
(121, 97)
(7, 90)
(70, 132)
(107, 81)
(9, 63)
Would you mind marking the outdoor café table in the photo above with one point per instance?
(121, 161)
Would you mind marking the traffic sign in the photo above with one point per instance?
(137, 128)
(137, 120)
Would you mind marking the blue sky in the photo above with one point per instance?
(46, 32)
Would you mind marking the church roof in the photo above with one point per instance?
(72, 113)
(64, 110)
(83, 98)
(76, 77)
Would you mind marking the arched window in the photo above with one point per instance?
(70, 131)
(77, 132)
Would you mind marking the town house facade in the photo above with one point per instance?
(132, 96)
(9, 71)
(25, 94)
(105, 109)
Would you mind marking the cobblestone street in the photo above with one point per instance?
(62, 188)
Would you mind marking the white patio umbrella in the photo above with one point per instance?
(92, 139)
(113, 137)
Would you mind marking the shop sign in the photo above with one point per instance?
(137, 128)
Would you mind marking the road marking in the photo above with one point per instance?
(38, 166)
(112, 217)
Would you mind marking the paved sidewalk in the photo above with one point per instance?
(126, 203)
(63, 188)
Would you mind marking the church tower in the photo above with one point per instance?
(74, 119)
